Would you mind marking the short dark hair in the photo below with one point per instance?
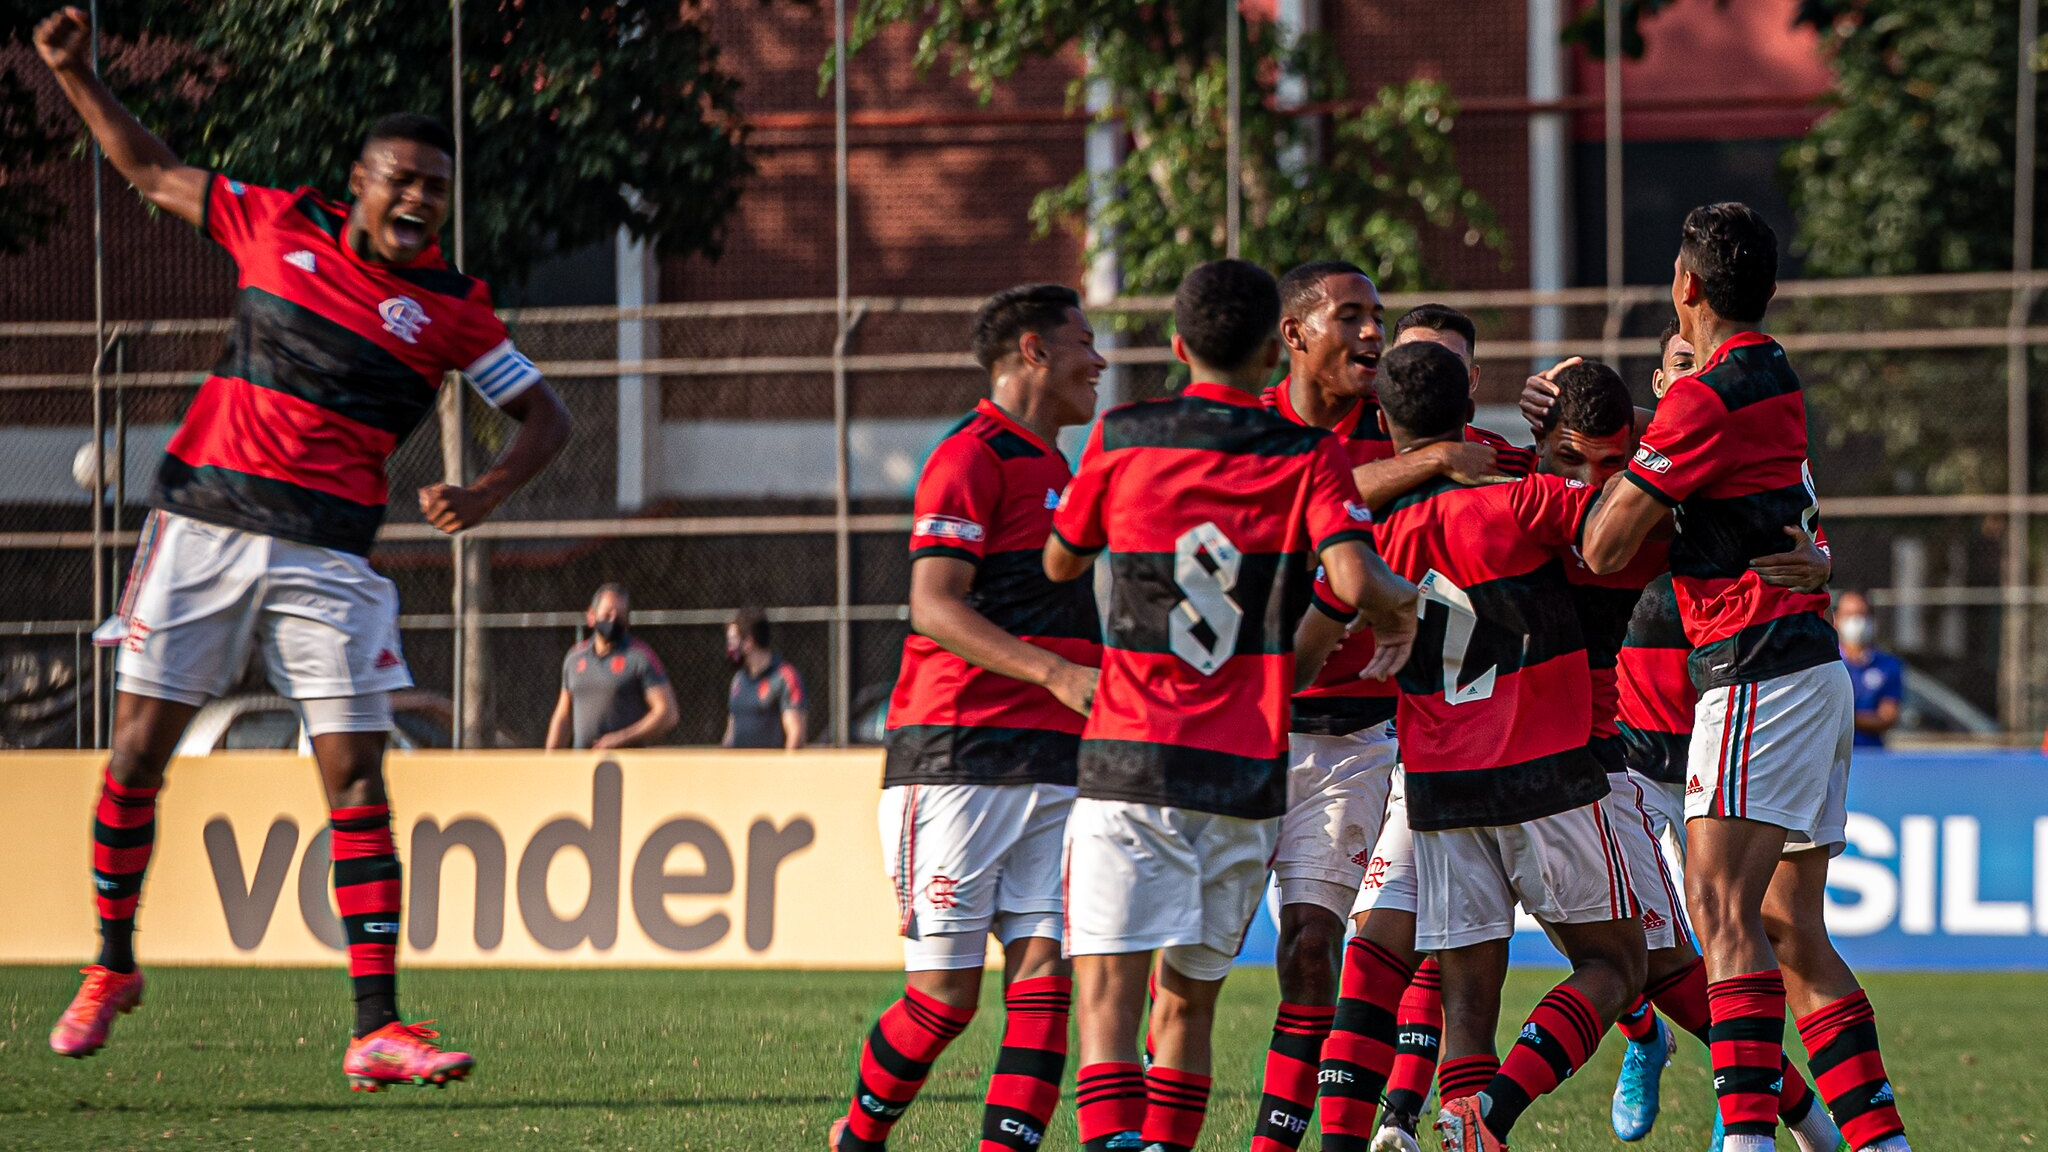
(1735, 255)
(1009, 314)
(1424, 388)
(619, 590)
(1591, 400)
(753, 624)
(1302, 287)
(1440, 318)
(412, 126)
(1665, 338)
(1225, 311)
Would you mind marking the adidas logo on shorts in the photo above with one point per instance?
(1693, 788)
(389, 659)
(1652, 920)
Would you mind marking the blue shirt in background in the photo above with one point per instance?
(1880, 677)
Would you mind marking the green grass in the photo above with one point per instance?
(731, 1060)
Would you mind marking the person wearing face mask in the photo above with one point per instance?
(615, 693)
(1878, 677)
(766, 707)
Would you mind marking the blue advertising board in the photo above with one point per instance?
(1947, 867)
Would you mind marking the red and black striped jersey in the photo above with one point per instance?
(1606, 604)
(1727, 450)
(1340, 702)
(1657, 696)
(1496, 701)
(1213, 510)
(331, 361)
(987, 496)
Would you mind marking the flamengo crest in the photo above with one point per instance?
(403, 318)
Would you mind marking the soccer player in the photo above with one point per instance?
(1767, 769)
(267, 503)
(1213, 510)
(983, 732)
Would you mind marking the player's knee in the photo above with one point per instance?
(136, 767)
(1308, 957)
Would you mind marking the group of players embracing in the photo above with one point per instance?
(1604, 658)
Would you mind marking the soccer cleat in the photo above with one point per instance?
(1395, 1138)
(1459, 1123)
(82, 1029)
(400, 1053)
(1637, 1089)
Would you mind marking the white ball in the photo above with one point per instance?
(82, 466)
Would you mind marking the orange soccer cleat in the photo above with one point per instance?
(1458, 1122)
(82, 1029)
(399, 1053)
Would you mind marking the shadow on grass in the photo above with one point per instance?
(459, 1104)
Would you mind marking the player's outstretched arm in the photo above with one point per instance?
(1358, 575)
(939, 609)
(1462, 461)
(1622, 518)
(64, 41)
(543, 430)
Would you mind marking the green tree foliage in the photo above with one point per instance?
(565, 105)
(1364, 183)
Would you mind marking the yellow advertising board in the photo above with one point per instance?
(670, 858)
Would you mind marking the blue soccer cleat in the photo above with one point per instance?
(1636, 1090)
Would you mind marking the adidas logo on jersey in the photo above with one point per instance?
(302, 260)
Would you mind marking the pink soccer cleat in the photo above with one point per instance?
(82, 1029)
(1458, 1122)
(399, 1053)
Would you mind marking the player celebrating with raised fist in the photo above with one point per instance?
(268, 501)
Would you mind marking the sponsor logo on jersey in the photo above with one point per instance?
(1652, 459)
(1569, 483)
(403, 318)
(1358, 512)
(947, 528)
(302, 260)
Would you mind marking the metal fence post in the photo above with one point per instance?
(2015, 695)
(1610, 332)
(99, 414)
(842, 581)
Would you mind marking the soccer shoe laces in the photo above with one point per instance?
(418, 1031)
(98, 986)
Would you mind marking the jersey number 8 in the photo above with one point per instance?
(1202, 629)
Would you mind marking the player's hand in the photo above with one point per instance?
(609, 740)
(1074, 685)
(1804, 567)
(1393, 634)
(64, 40)
(451, 508)
(1539, 394)
(1464, 462)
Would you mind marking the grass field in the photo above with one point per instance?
(730, 1060)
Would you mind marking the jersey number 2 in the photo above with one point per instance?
(1202, 629)
(1436, 588)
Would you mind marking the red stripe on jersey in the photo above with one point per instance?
(235, 425)
(1231, 713)
(1656, 694)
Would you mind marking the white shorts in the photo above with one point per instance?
(1142, 877)
(1564, 869)
(1777, 752)
(1665, 804)
(970, 859)
(1654, 884)
(199, 595)
(1336, 800)
(1390, 874)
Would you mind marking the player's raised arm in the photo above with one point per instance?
(64, 41)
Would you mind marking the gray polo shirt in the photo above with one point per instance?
(607, 693)
(757, 703)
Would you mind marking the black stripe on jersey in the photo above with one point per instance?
(1138, 772)
(270, 507)
(1510, 794)
(440, 281)
(1717, 538)
(1513, 631)
(1609, 752)
(1655, 622)
(1007, 445)
(1339, 715)
(323, 217)
(1604, 614)
(1012, 591)
(1752, 374)
(1361, 535)
(292, 349)
(917, 554)
(1777, 647)
(1272, 589)
(1427, 490)
(1190, 422)
(1658, 756)
(955, 754)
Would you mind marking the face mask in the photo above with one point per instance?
(1855, 630)
(612, 630)
(734, 654)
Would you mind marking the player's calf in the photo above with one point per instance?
(1308, 958)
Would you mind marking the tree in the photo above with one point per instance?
(1363, 185)
(565, 107)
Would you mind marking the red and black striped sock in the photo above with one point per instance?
(1360, 1050)
(1109, 1102)
(1418, 1037)
(1849, 1070)
(1175, 1104)
(894, 1062)
(366, 883)
(1025, 1090)
(1561, 1033)
(123, 835)
(1466, 1076)
(1682, 997)
(1747, 1042)
(1638, 1022)
(1293, 1062)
